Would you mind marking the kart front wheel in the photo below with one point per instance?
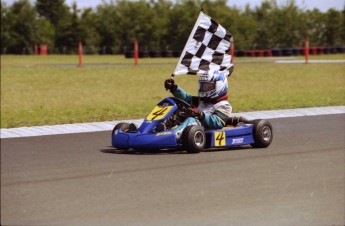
(123, 125)
(193, 139)
(262, 133)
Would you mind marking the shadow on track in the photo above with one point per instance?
(151, 151)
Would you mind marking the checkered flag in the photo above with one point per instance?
(207, 49)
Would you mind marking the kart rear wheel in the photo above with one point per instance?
(123, 125)
(262, 133)
(193, 139)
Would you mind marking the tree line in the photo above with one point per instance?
(113, 25)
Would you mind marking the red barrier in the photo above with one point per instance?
(250, 53)
(319, 50)
(36, 49)
(80, 52)
(232, 49)
(44, 49)
(136, 52)
(306, 50)
(312, 50)
(259, 53)
(268, 52)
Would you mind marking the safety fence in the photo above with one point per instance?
(106, 50)
(276, 52)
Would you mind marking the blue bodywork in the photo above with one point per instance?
(146, 137)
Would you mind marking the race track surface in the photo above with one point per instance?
(79, 179)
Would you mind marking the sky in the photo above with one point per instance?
(322, 5)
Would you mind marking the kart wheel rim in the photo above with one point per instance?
(199, 138)
(266, 133)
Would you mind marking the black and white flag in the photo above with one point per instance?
(207, 49)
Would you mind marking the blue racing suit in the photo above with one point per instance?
(216, 114)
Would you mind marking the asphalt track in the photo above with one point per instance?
(78, 179)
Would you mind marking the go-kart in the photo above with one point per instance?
(157, 131)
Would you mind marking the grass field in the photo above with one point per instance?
(45, 90)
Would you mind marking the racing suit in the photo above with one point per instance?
(216, 113)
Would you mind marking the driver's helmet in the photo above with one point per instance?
(212, 84)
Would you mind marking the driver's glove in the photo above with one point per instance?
(195, 112)
(169, 84)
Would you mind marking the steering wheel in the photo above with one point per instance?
(181, 103)
(183, 108)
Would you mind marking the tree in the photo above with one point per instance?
(20, 22)
(343, 25)
(52, 10)
(160, 20)
(45, 32)
(58, 14)
(333, 27)
(162, 24)
(263, 33)
(106, 20)
(287, 24)
(315, 27)
(88, 29)
(70, 32)
(181, 21)
(5, 27)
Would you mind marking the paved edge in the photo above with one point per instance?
(109, 125)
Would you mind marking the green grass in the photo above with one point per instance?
(38, 90)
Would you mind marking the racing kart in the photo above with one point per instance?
(157, 131)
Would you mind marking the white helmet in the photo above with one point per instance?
(212, 84)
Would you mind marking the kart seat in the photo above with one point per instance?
(234, 121)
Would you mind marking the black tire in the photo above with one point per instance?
(123, 125)
(193, 139)
(262, 133)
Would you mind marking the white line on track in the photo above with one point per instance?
(107, 126)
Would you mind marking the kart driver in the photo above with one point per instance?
(213, 109)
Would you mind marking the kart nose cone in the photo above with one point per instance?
(120, 140)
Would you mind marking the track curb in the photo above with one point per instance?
(109, 125)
